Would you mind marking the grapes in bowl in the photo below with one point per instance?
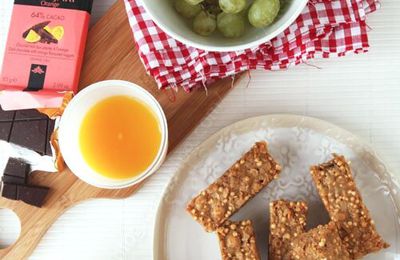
(223, 25)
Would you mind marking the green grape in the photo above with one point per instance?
(263, 12)
(194, 2)
(232, 6)
(187, 10)
(204, 23)
(231, 25)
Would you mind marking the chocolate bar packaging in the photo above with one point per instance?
(44, 52)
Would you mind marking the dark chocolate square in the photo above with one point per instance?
(5, 129)
(29, 114)
(17, 168)
(9, 191)
(6, 115)
(10, 179)
(30, 134)
(32, 195)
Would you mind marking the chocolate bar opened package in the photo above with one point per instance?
(44, 52)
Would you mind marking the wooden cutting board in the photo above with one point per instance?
(110, 54)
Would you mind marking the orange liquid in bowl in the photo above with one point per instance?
(120, 137)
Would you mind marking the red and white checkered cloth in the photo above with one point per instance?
(325, 28)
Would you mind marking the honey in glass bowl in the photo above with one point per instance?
(120, 137)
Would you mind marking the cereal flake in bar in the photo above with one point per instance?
(287, 221)
(345, 206)
(237, 241)
(214, 205)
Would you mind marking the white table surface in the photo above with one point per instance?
(360, 93)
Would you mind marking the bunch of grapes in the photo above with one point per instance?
(227, 16)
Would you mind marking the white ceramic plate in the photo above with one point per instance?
(296, 142)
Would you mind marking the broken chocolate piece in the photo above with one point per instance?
(32, 195)
(9, 191)
(15, 184)
(27, 128)
(13, 179)
(17, 168)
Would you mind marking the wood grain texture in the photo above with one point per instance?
(110, 54)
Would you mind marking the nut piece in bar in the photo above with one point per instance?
(287, 221)
(214, 205)
(322, 242)
(345, 206)
(237, 241)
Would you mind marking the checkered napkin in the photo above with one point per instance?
(325, 28)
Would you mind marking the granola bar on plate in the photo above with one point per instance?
(241, 182)
(287, 221)
(322, 242)
(346, 208)
(237, 241)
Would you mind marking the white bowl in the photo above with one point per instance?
(72, 119)
(164, 15)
